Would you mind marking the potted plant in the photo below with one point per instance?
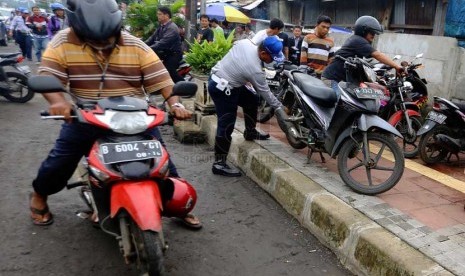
(202, 57)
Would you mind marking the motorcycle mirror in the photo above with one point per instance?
(404, 63)
(184, 89)
(396, 57)
(45, 84)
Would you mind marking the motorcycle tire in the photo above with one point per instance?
(149, 248)
(429, 152)
(411, 140)
(20, 92)
(359, 177)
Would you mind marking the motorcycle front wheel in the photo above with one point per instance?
(19, 91)
(370, 166)
(149, 249)
(409, 143)
(430, 152)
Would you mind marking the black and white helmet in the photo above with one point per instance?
(95, 20)
(367, 24)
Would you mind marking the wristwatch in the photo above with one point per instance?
(178, 105)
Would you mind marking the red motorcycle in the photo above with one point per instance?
(126, 173)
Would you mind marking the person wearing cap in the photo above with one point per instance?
(226, 86)
(22, 33)
(58, 20)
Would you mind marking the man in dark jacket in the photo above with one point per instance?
(295, 43)
(166, 43)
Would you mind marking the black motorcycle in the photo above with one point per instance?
(369, 160)
(277, 81)
(13, 84)
(443, 133)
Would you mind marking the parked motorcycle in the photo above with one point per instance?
(369, 160)
(184, 69)
(127, 183)
(277, 81)
(13, 84)
(443, 132)
(402, 107)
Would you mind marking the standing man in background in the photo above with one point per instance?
(205, 33)
(22, 33)
(57, 21)
(248, 31)
(166, 43)
(295, 44)
(216, 26)
(317, 47)
(38, 24)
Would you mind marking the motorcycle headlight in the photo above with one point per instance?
(126, 122)
(369, 73)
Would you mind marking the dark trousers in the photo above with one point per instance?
(226, 110)
(75, 141)
(171, 62)
(25, 44)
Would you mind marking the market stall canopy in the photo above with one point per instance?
(252, 5)
(222, 12)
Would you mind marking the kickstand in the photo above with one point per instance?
(323, 160)
(309, 155)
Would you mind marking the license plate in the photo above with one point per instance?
(130, 151)
(368, 93)
(272, 82)
(24, 69)
(436, 117)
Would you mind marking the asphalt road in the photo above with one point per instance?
(245, 231)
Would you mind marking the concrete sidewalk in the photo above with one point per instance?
(369, 236)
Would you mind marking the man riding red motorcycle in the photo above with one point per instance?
(96, 60)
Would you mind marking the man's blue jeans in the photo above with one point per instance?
(75, 141)
(40, 44)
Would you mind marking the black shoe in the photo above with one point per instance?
(222, 168)
(254, 134)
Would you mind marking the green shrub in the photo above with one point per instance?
(203, 56)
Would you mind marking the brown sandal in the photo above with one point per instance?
(186, 221)
(43, 213)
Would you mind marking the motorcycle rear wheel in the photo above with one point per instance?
(20, 92)
(149, 247)
(429, 151)
(409, 142)
(385, 164)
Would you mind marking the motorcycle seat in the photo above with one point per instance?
(9, 55)
(316, 89)
(461, 106)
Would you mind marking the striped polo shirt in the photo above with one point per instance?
(132, 67)
(316, 52)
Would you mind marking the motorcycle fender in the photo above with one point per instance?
(142, 200)
(397, 116)
(365, 122)
(426, 127)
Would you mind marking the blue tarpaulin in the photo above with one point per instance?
(455, 19)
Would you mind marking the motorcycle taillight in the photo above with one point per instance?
(439, 106)
(20, 59)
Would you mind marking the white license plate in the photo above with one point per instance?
(436, 117)
(272, 82)
(24, 69)
(130, 151)
(368, 93)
